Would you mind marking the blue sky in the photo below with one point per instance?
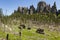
(11, 5)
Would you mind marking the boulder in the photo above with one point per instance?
(40, 31)
(28, 28)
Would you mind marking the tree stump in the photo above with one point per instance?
(20, 33)
(7, 36)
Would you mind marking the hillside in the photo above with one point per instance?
(48, 22)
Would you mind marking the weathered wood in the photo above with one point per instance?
(7, 36)
(20, 33)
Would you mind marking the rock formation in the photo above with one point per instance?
(41, 7)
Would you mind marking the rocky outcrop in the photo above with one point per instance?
(41, 7)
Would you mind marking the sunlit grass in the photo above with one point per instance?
(32, 35)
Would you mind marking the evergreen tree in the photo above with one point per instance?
(19, 9)
(58, 11)
(15, 11)
(54, 9)
(32, 9)
(1, 12)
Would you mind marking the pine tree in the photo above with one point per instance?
(54, 9)
(32, 9)
(18, 9)
(1, 12)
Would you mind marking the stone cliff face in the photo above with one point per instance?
(43, 7)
